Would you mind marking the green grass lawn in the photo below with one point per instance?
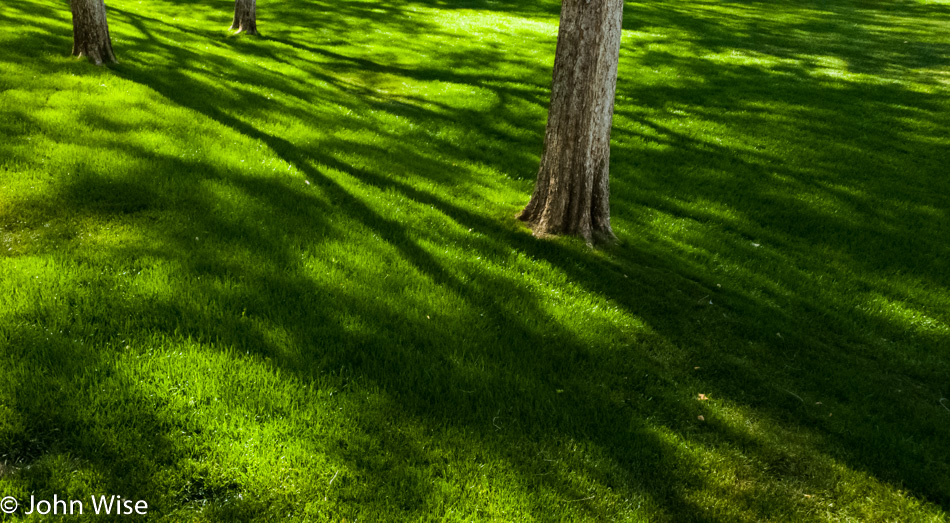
(280, 278)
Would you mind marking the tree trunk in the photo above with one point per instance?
(571, 195)
(245, 17)
(91, 31)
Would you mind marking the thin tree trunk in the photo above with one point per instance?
(245, 17)
(91, 31)
(572, 192)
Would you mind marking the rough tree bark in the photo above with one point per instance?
(91, 31)
(245, 17)
(571, 195)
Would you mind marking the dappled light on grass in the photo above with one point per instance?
(280, 277)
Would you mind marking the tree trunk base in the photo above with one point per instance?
(594, 235)
(239, 29)
(98, 55)
(91, 32)
(245, 17)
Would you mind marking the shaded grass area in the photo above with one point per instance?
(280, 278)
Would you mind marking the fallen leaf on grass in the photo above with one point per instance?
(700, 418)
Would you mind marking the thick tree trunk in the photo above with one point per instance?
(245, 16)
(572, 194)
(91, 31)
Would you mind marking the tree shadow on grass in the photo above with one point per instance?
(882, 38)
(426, 384)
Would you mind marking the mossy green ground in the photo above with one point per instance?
(279, 278)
